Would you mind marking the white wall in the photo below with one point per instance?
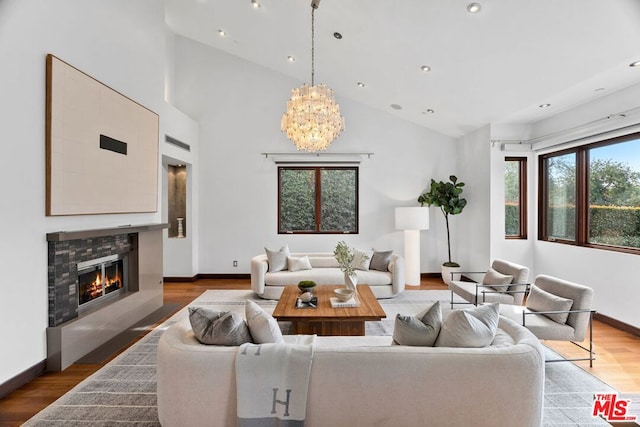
(239, 105)
(472, 227)
(130, 58)
(516, 250)
(181, 255)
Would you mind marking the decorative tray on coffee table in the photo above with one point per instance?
(310, 304)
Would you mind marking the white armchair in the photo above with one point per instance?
(557, 310)
(505, 282)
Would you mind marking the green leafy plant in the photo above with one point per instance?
(345, 256)
(446, 196)
(306, 284)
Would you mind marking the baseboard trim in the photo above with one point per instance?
(180, 279)
(224, 276)
(22, 378)
(625, 327)
(430, 275)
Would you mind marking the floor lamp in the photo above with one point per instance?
(412, 220)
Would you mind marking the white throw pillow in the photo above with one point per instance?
(361, 259)
(263, 327)
(541, 300)
(297, 264)
(493, 278)
(277, 260)
(218, 327)
(474, 327)
(419, 330)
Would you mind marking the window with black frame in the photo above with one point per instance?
(318, 199)
(590, 195)
(515, 197)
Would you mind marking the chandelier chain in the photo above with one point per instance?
(313, 49)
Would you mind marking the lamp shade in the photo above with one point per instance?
(412, 218)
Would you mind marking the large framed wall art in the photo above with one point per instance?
(101, 147)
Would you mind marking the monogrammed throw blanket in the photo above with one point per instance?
(272, 383)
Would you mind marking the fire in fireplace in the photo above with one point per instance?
(99, 278)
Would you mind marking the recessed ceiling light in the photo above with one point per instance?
(396, 106)
(221, 33)
(255, 4)
(360, 84)
(337, 35)
(429, 111)
(544, 105)
(291, 58)
(474, 7)
(425, 68)
(635, 64)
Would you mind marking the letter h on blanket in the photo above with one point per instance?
(282, 402)
(272, 382)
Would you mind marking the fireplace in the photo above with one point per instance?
(101, 282)
(101, 279)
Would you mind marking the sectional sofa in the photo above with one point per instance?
(366, 381)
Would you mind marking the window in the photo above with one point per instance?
(317, 200)
(590, 195)
(515, 198)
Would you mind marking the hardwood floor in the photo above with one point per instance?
(617, 356)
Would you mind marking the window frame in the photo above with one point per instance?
(582, 225)
(522, 198)
(318, 198)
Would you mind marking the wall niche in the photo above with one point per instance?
(177, 201)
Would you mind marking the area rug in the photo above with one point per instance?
(123, 392)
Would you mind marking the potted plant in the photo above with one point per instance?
(306, 285)
(345, 256)
(446, 196)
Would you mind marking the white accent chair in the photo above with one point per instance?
(539, 316)
(485, 291)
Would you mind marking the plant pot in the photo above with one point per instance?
(446, 274)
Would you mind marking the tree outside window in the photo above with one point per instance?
(318, 200)
(614, 194)
(515, 197)
(591, 195)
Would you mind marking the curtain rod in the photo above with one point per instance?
(266, 155)
(621, 115)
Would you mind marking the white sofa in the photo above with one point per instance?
(325, 271)
(366, 381)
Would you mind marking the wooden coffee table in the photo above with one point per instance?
(326, 320)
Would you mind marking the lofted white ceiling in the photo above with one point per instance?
(495, 66)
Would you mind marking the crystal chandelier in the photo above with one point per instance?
(312, 120)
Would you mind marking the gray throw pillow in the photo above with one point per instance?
(380, 260)
(419, 330)
(541, 300)
(474, 327)
(493, 278)
(277, 260)
(218, 327)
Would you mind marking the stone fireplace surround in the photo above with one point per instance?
(71, 335)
